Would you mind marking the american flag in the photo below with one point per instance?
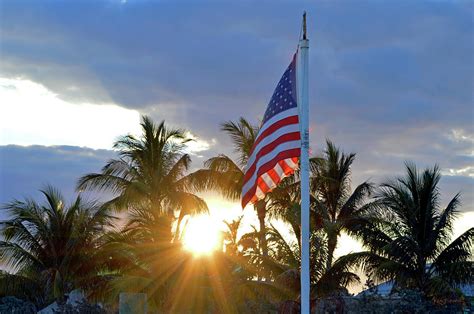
(277, 147)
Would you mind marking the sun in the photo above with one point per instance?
(201, 235)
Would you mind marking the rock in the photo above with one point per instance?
(50, 309)
(132, 303)
(80, 307)
(75, 296)
(12, 305)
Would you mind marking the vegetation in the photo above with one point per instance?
(148, 177)
(410, 241)
(339, 209)
(51, 248)
(150, 183)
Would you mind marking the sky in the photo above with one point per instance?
(391, 81)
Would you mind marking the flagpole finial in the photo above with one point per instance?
(304, 25)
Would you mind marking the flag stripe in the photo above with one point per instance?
(268, 180)
(273, 174)
(292, 139)
(277, 132)
(278, 169)
(285, 118)
(261, 187)
(249, 189)
(259, 193)
(291, 162)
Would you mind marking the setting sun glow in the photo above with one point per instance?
(201, 235)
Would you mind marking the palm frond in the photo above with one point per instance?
(220, 174)
(243, 136)
(455, 255)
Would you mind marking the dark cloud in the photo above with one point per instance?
(222, 59)
(391, 81)
(25, 170)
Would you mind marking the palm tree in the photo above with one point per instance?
(231, 236)
(284, 264)
(284, 203)
(148, 178)
(52, 248)
(225, 175)
(338, 208)
(410, 240)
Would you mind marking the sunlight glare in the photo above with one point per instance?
(46, 119)
(202, 235)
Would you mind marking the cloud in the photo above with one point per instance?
(391, 81)
(25, 170)
(31, 114)
(197, 145)
(386, 63)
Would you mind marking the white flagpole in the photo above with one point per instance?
(302, 95)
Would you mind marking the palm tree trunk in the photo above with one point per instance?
(261, 213)
(332, 243)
